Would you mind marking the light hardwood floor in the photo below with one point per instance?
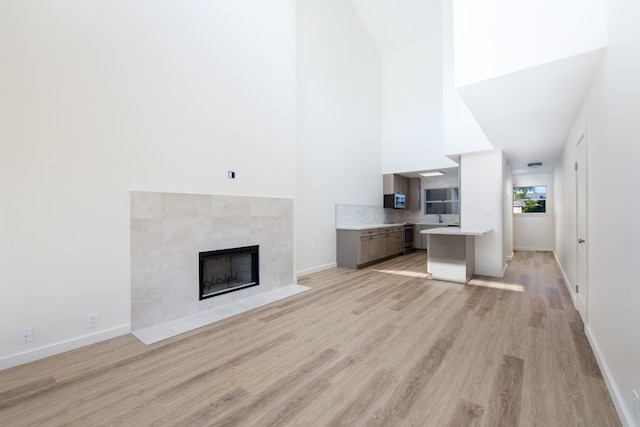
(380, 346)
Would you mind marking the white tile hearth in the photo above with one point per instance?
(170, 329)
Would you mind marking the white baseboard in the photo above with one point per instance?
(315, 269)
(61, 347)
(570, 287)
(528, 249)
(618, 398)
(510, 257)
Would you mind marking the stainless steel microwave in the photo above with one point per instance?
(394, 201)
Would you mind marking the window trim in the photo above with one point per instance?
(530, 214)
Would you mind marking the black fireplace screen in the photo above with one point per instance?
(228, 270)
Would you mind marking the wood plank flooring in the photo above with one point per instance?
(381, 346)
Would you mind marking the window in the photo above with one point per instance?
(442, 201)
(530, 199)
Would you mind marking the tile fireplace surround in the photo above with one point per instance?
(168, 230)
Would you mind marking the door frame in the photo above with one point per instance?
(582, 240)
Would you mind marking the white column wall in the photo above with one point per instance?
(412, 128)
(339, 119)
(461, 132)
(481, 206)
(101, 98)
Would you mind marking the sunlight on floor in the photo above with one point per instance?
(515, 287)
(484, 282)
(405, 273)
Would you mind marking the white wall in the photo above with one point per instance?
(497, 37)
(610, 116)
(481, 207)
(339, 106)
(412, 129)
(534, 231)
(100, 98)
(461, 133)
(423, 114)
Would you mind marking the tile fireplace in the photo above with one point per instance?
(169, 231)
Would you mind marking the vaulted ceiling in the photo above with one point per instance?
(528, 114)
(394, 24)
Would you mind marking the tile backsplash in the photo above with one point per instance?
(347, 215)
(361, 214)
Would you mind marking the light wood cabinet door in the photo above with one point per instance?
(369, 249)
(386, 245)
(413, 196)
(392, 183)
(420, 241)
(356, 248)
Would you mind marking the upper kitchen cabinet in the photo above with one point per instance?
(393, 183)
(410, 187)
(413, 196)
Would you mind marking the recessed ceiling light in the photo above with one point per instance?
(535, 164)
(427, 174)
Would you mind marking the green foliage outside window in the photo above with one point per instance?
(530, 199)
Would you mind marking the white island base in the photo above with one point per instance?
(451, 253)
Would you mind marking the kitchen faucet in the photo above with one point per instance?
(439, 216)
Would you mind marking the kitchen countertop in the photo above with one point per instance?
(457, 231)
(398, 224)
(368, 226)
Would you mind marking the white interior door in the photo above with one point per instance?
(582, 287)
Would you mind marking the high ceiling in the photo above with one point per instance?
(394, 24)
(528, 114)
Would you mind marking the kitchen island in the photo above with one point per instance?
(451, 253)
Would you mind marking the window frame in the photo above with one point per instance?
(450, 204)
(534, 189)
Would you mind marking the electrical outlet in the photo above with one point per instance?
(92, 320)
(26, 335)
(636, 405)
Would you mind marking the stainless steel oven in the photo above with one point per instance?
(408, 238)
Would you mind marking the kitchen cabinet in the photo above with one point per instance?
(420, 240)
(359, 247)
(391, 242)
(410, 187)
(393, 183)
(413, 196)
(369, 249)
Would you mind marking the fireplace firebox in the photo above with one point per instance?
(228, 270)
